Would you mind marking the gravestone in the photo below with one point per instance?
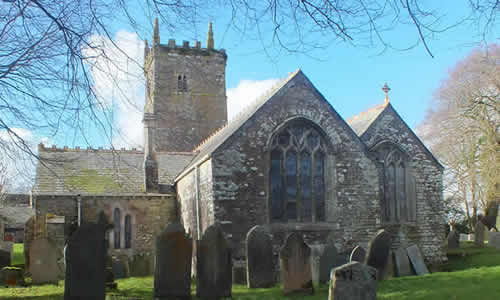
(259, 251)
(327, 261)
(118, 268)
(353, 281)
(5, 258)
(453, 240)
(416, 260)
(494, 239)
(239, 271)
(295, 259)
(402, 262)
(378, 252)
(43, 261)
(316, 251)
(479, 236)
(7, 246)
(213, 265)
(85, 262)
(173, 263)
(358, 254)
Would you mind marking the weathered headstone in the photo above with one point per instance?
(7, 246)
(417, 260)
(353, 281)
(239, 272)
(358, 254)
(173, 263)
(295, 259)
(327, 261)
(403, 267)
(378, 252)
(453, 240)
(259, 251)
(494, 239)
(5, 258)
(118, 268)
(213, 265)
(43, 261)
(316, 251)
(479, 237)
(85, 261)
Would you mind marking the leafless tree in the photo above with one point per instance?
(48, 48)
(463, 130)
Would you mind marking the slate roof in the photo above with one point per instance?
(209, 145)
(361, 122)
(170, 164)
(16, 216)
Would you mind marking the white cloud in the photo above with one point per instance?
(119, 82)
(246, 92)
(17, 164)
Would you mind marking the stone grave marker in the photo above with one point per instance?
(416, 260)
(453, 240)
(327, 261)
(118, 268)
(259, 251)
(316, 251)
(353, 281)
(494, 239)
(173, 263)
(295, 259)
(44, 267)
(239, 272)
(402, 262)
(479, 237)
(5, 258)
(85, 261)
(378, 252)
(464, 237)
(358, 254)
(213, 265)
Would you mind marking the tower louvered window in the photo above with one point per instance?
(182, 83)
(297, 172)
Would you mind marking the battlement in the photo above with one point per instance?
(54, 148)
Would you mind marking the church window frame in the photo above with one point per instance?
(298, 157)
(182, 85)
(397, 183)
(116, 228)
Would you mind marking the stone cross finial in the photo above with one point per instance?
(210, 38)
(156, 33)
(386, 90)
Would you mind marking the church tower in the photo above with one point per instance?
(185, 94)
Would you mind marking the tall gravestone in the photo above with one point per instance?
(378, 252)
(453, 240)
(173, 263)
(417, 261)
(354, 281)
(85, 262)
(44, 256)
(213, 265)
(494, 239)
(259, 251)
(358, 254)
(479, 237)
(403, 267)
(327, 261)
(295, 259)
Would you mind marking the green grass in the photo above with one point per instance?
(476, 276)
(18, 255)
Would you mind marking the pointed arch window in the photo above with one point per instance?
(181, 83)
(128, 231)
(297, 185)
(398, 201)
(116, 228)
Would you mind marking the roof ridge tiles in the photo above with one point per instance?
(54, 148)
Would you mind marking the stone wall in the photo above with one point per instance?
(241, 174)
(428, 230)
(150, 214)
(185, 117)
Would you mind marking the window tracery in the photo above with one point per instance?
(297, 164)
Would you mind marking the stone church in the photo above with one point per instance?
(289, 162)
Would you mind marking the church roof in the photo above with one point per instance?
(361, 122)
(210, 144)
(170, 164)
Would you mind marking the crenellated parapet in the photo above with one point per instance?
(54, 148)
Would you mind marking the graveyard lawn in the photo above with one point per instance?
(476, 276)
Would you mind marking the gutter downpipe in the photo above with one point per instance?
(197, 199)
(79, 205)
